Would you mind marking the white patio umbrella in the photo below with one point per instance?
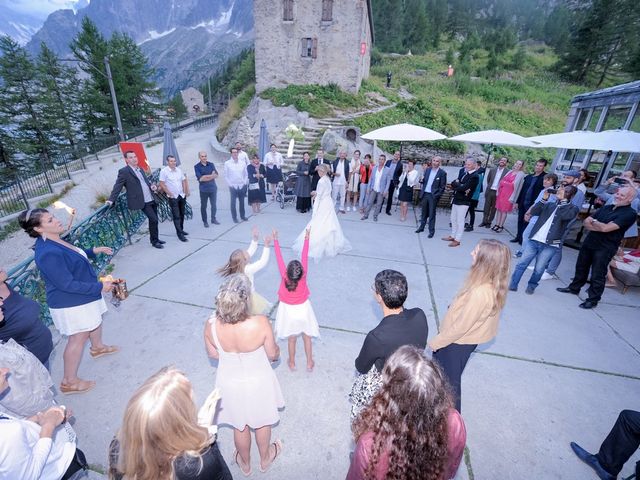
(495, 137)
(404, 132)
(614, 140)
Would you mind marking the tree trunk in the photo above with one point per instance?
(607, 64)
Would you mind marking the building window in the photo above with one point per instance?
(309, 47)
(287, 13)
(327, 10)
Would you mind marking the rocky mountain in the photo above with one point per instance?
(19, 26)
(185, 40)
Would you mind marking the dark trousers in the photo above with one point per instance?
(237, 194)
(596, 260)
(177, 212)
(452, 359)
(473, 204)
(522, 209)
(392, 187)
(489, 206)
(428, 203)
(150, 209)
(211, 198)
(623, 440)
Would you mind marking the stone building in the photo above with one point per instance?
(312, 41)
(193, 100)
(607, 109)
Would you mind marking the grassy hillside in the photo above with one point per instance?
(529, 101)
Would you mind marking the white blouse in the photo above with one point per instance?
(252, 268)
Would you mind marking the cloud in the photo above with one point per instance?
(36, 8)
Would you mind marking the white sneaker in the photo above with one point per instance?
(547, 276)
(348, 209)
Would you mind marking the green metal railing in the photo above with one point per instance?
(107, 226)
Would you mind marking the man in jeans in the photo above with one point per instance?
(377, 189)
(174, 184)
(462, 192)
(236, 176)
(546, 235)
(206, 174)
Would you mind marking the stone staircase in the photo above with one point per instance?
(313, 135)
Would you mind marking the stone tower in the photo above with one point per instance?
(299, 42)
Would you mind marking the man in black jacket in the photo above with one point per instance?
(433, 186)
(313, 168)
(531, 187)
(546, 235)
(463, 189)
(139, 194)
(396, 170)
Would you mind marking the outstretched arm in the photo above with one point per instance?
(276, 249)
(305, 251)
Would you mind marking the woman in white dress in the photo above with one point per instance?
(239, 263)
(328, 239)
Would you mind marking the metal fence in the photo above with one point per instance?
(108, 226)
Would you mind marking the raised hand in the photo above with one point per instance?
(255, 233)
(274, 234)
(105, 250)
(267, 240)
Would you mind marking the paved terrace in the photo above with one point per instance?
(555, 373)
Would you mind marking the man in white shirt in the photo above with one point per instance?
(175, 186)
(235, 174)
(492, 179)
(242, 155)
(340, 169)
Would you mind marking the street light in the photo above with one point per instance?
(112, 89)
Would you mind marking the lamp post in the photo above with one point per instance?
(112, 89)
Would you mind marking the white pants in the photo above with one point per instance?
(341, 191)
(458, 213)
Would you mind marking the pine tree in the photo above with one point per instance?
(60, 95)
(20, 101)
(415, 27)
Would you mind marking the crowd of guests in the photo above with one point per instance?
(405, 407)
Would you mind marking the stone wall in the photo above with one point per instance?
(192, 97)
(338, 58)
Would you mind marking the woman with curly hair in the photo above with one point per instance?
(410, 430)
(474, 313)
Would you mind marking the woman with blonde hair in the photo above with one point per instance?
(244, 345)
(161, 438)
(239, 263)
(410, 429)
(474, 313)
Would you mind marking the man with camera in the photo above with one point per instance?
(606, 230)
(554, 217)
(606, 191)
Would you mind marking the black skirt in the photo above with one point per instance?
(303, 204)
(274, 175)
(405, 194)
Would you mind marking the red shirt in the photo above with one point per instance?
(301, 293)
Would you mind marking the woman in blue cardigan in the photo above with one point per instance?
(74, 295)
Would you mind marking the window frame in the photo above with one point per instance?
(287, 8)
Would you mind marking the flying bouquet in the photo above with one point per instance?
(294, 133)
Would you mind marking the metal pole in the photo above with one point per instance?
(210, 104)
(113, 99)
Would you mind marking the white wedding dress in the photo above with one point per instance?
(326, 239)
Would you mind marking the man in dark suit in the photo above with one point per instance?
(139, 194)
(313, 168)
(531, 187)
(462, 192)
(493, 177)
(395, 165)
(433, 185)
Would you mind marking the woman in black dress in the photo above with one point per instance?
(408, 180)
(303, 185)
(257, 193)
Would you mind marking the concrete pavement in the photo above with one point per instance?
(554, 374)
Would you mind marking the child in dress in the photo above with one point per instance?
(239, 263)
(295, 315)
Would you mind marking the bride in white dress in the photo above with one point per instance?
(327, 239)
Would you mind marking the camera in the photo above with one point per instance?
(621, 181)
(552, 191)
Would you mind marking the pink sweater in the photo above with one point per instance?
(301, 293)
(456, 442)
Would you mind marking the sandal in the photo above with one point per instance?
(106, 350)
(277, 446)
(495, 228)
(80, 386)
(235, 459)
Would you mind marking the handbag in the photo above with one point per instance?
(120, 291)
(254, 186)
(363, 389)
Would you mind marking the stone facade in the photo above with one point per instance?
(193, 100)
(310, 49)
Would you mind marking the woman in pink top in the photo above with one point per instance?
(295, 315)
(410, 429)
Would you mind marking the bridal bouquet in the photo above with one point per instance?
(294, 133)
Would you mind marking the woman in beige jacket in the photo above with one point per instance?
(473, 315)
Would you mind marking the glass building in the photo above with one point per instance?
(607, 109)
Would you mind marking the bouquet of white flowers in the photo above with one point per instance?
(294, 133)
